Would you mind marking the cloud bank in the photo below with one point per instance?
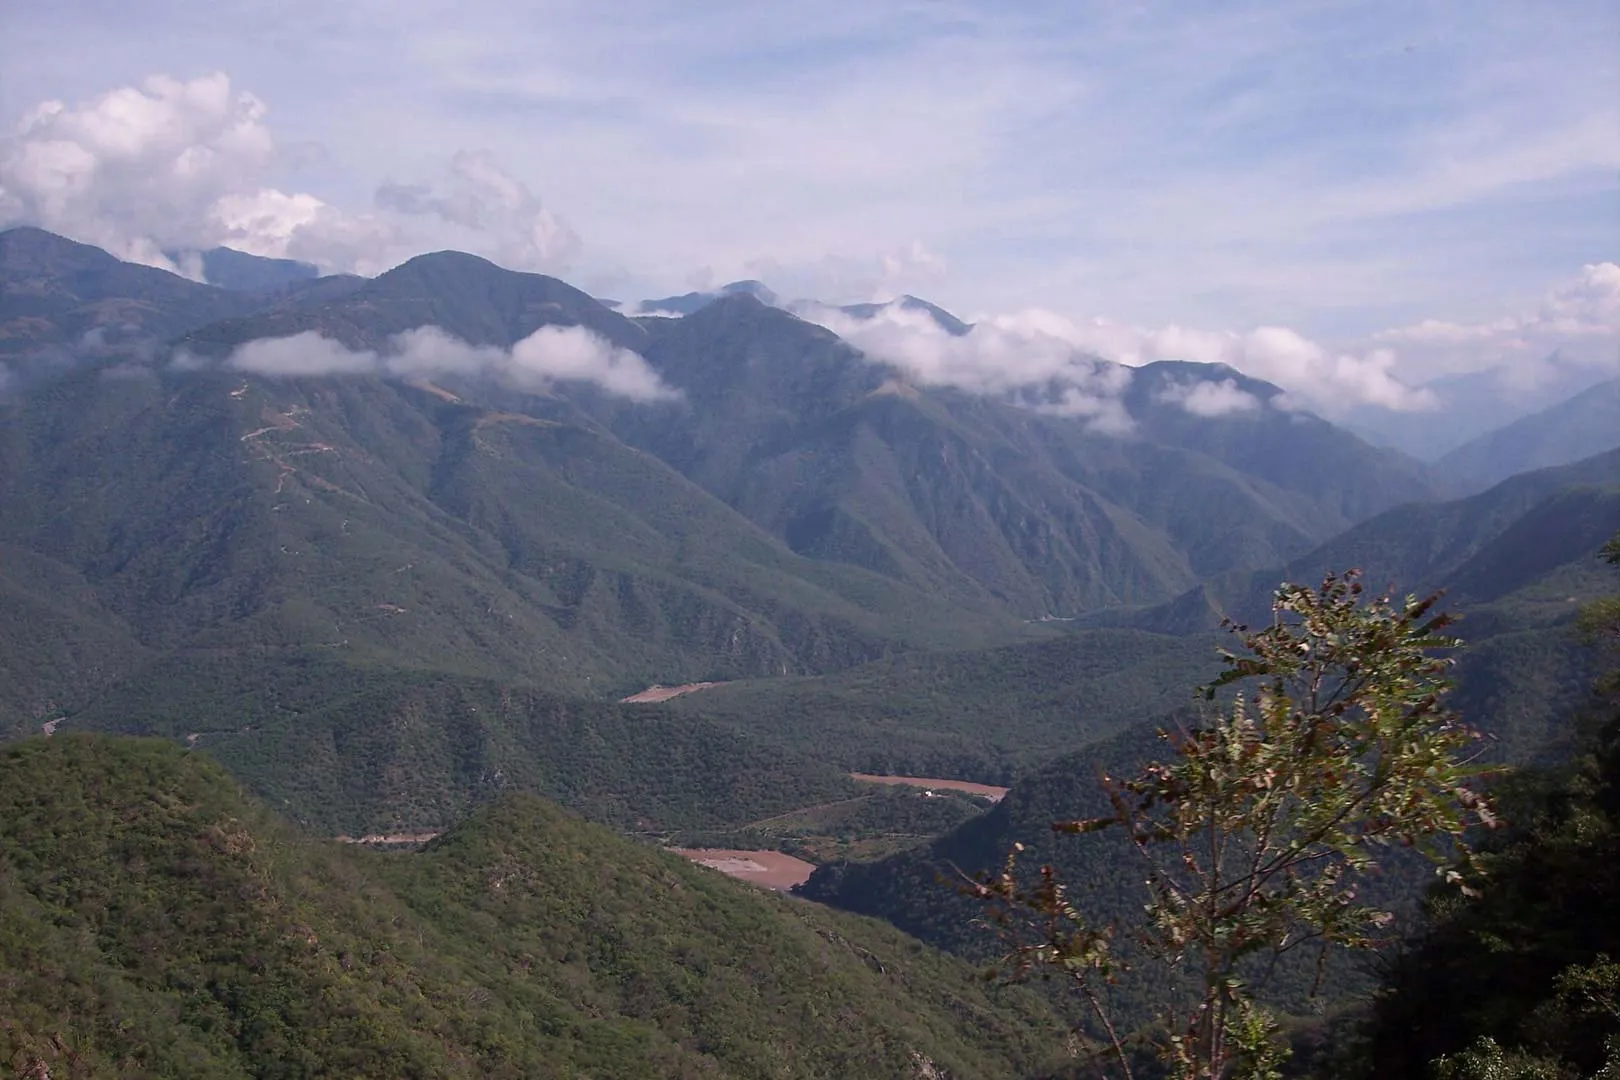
(1577, 319)
(1028, 360)
(167, 165)
(549, 355)
(1011, 354)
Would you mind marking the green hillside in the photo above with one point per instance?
(360, 750)
(1522, 677)
(983, 715)
(154, 923)
(977, 499)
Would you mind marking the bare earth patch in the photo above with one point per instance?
(389, 839)
(988, 791)
(772, 869)
(657, 693)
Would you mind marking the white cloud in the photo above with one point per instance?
(495, 213)
(169, 164)
(550, 354)
(300, 355)
(1029, 358)
(1005, 353)
(1210, 398)
(173, 165)
(1577, 319)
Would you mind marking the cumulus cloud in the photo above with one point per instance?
(550, 354)
(1578, 321)
(497, 212)
(1210, 398)
(167, 165)
(181, 166)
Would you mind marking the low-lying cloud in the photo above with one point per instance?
(1210, 399)
(1010, 353)
(1022, 359)
(549, 355)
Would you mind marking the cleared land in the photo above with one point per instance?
(772, 869)
(988, 791)
(655, 694)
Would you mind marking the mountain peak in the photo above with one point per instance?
(906, 302)
(28, 249)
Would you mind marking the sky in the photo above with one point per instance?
(1351, 199)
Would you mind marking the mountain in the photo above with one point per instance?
(1537, 528)
(1586, 424)
(62, 299)
(1472, 404)
(463, 295)
(978, 499)
(944, 319)
(687, 303)
(232, 269)
(1518, 560)
(393, 556)
(155, 922)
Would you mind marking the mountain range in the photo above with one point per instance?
(393, 551)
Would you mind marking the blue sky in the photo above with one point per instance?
(1345, 170)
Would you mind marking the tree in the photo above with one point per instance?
(1257, 831)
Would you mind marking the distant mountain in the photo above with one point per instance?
(464, 295)
(1516, 562)
(1586, 424)
(946, 321)
(59, 298)
(980, 500)
(155, 922)
(232, 269)
(1472, 405)
(1481, 548)
(687, 303)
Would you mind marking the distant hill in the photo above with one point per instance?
(153, 922)
(1473, 404)
(232, 269)
(687, 303)
(945, 320)
(1586, 424)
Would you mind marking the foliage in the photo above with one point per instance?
(1255, 835)
(155, 923)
